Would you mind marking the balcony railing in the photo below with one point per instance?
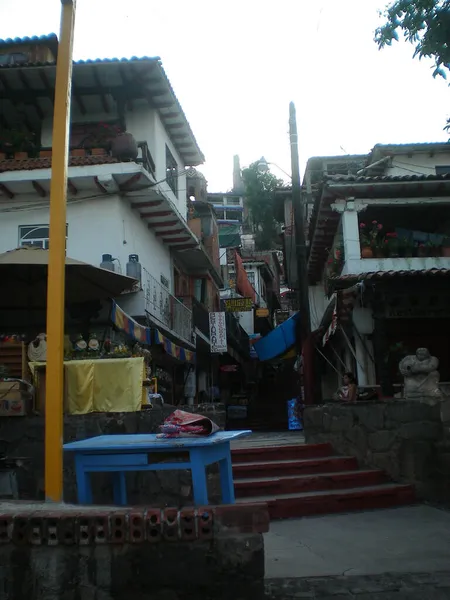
(164, 308)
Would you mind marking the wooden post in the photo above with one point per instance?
(57, 259)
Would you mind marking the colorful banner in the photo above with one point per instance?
(243, 285)
(217, 332)
(176, 351)
(122, 321)
(238, 304)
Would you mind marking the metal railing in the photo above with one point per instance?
(165, 308)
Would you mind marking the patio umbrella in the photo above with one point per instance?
(23, 280)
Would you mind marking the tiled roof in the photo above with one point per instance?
(386, 178)
(51, 38)
(351, 278)
(30, 164)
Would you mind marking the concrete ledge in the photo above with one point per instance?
(39, 524)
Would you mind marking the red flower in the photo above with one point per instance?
(391, 234)
(362, 225)
(379, 226)
(374, 222)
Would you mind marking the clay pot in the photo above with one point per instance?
(366, 252)
(445, 251)
(77, 152)
(98, 151)
(124, 147)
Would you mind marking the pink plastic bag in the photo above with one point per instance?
(185, 424)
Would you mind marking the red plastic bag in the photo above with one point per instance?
(185, 424)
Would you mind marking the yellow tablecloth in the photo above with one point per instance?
(103, 385)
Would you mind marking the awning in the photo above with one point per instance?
(279, 341)
(125, 323)
(172, 349)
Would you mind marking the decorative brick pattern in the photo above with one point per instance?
(133, 525)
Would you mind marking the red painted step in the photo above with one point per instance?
(279, 468)
(274, 486)
(306, 479)
(322, 503)
(294, 451)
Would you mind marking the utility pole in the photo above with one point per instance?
(57, 259)
(300, 251)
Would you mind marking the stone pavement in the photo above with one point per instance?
(396, 586)
(264, 439)
(394, 554)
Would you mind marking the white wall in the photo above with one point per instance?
(104, 225)
(146, 126)
(318, 303)
(416, 164)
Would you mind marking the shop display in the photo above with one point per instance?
(37, 349)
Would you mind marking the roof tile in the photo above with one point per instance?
(30, 164)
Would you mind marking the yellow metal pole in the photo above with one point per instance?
(57, 259)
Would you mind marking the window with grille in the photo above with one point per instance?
(35, 235)
(171, 171)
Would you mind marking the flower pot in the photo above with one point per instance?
(45, 154)
(78, 152)
(98, 151)
(445, 251)
(422, 251)
(366, 252)
(124, 147)
(20, 155)
(2, 155)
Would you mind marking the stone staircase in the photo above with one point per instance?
(309, 479)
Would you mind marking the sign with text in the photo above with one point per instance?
(262, 312)
(238, 304)
(217, 332)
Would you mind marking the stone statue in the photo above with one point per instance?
(421, 376)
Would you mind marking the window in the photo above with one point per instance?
(443, 170)
(171, 171)
(251, 277)
(35, 235)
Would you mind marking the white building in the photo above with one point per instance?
(116, 207)
(379, 261)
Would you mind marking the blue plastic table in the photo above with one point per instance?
(120, 453)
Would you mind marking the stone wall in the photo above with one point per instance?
(86, 553)
(24, 437)
(402, 437)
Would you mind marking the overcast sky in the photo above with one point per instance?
(235, 65)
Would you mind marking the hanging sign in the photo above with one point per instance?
(217, 332)
(262, 312)
(238, 304)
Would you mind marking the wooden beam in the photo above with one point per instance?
(184, 247)
(6, 191)
(175, 240)
(161, 213)
(174, 125)
(179, 136)
(72, 189)
(26, 85)
(169, 232)
(103, 96)
(162, 224)
(129, 182)
(39, 189)
(139, 205)
(170, 115)
(43, 77)
(79, 100)
(99, 185)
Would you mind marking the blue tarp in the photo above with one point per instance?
(278, 341)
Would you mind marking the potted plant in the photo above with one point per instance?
(368, 238)
(100, 138)
(405, 247)
(392, 244)
(17, 143)
(124, 146)
(445, 248)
